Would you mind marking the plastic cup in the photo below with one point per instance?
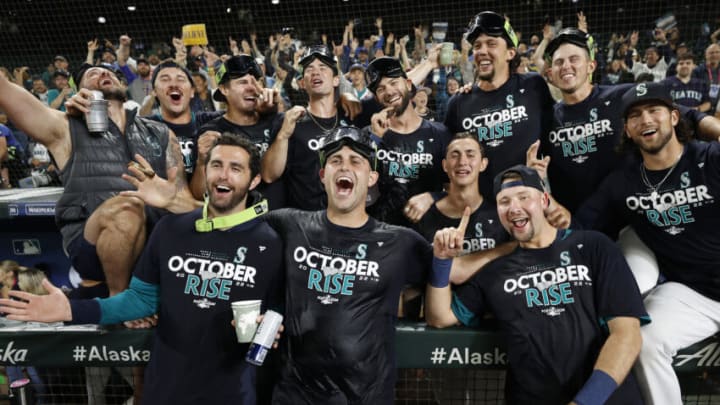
(245, 314)
(446, 53)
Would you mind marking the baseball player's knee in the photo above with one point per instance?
(655, 344)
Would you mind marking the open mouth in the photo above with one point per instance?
(519, 223)
(316, 82)
(221, 189)
(106, 82)
(485, 64)
(344, 185)
(175, 95)
(648, 132)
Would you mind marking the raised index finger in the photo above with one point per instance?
(464, 221)
(532, 150)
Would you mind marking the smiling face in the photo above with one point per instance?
(241, 93)
(347, 176)
(174, 91)
(104, 80)
(492, 57)
(571, 68)
(464, 162)
(319, 79)
(651, 126)
(228, 179)
(520, 209)
(394, 91)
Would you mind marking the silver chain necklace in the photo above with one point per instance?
(325, 130)
(653, 188)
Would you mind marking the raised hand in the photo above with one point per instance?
(448, 242)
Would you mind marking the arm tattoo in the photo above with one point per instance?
(173, 158)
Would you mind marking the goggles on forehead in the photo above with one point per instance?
(492, 24)
(238, 66)
(572, 36)
(382, 67)
(352, 137)
(320, 52)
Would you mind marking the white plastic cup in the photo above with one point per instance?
(245, 314)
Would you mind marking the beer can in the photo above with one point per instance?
(264, 338)
(97, 118)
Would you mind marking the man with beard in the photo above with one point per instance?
(667, 192)
(241, 90)
(573, 290)
(141, 86)
(507, 111)
(411, 147)
(195, 345)
(174, 89)
(103, 234)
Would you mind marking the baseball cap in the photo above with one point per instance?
(171, 64)
(643, 93)
(142, 60)
(61, 72)
(77, 78)
(352, 137)
(60, 57)
(426, 90)
(320, 52)
(236, 66)
(357, 66)
(493, 24)
(528, 178)
(572, 36)
(382, 67)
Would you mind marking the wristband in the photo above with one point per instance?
(440, 274)
(596, 390)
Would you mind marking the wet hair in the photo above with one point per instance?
(466, 135)
(232, 139)
(683, 132)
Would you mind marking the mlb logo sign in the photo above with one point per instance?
(26, 247)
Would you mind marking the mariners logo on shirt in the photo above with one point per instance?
(496, 122)
(334, 272)
(405, 166)
(673, 208)
(211, 275)
(579, 139)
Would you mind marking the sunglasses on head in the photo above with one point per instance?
(382, 67)
(492, 24)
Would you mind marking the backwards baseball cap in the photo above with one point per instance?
(528, 178)
(493, 24)
(320, 52)
(382, 67)
(168, 65)
(572, 36)
(644, 93)
(352, 137)
(236, 66)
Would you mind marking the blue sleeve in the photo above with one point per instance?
(139, 300)
(691, 115)
(380, 42)
(129, 75)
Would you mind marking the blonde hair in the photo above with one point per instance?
(30, 280)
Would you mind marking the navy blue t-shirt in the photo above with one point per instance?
(582, 142)
(187, 135)
(343, 287)
(302, 178)
(679, 224)
(484, 230)
(506, 120)
(261, 134)
(553, 305)
(690, 94)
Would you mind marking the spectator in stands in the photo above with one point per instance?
(62, 91)
(500, 93)
(103, 233)
(584, 343)
(202, 101)
(709, 72)
(59, 63)
(411, 147)
(12, 166)
(195, 345)
(356, 74)
(420, 101)
(664, 166)
(141, 86)
(453, 84)
(654, 64)
(614, 71)
(39, 89)
(686, 90)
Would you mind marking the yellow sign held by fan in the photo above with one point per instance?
(194, 34)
